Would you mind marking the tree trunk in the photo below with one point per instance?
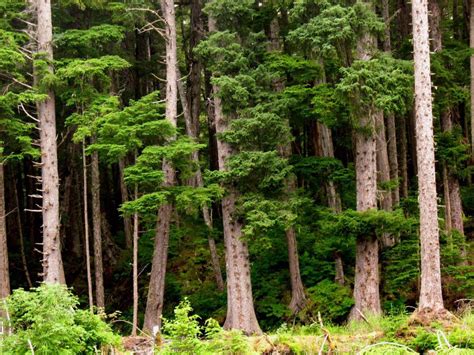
(156, 290)
(135, 270)
(21, 236)
(471, 45)
(340, 278)
(86, 229)
(240, 308)
(298, 296)
(192, 129)
(366, 283)
(96, 223)
(403, 158)
(4, 270)
(124, 192)
(431, 298)
(390, 118)
(52, 263)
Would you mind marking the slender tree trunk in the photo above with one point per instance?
(403, 158)
(4, 270)
(86, 229)
(135, 270)
(96, 223)
(192, 129)
(20, 234)
(340, 278)
(366, 283)
(431, 298)
(452, 195)
(156, 290)
(52, 263)
(124, 192)
(298, 296)
(471, 45)
(240, 307)
(390, 118)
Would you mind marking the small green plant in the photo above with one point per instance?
(47, 319)
(183, 331)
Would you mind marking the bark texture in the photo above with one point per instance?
(156, 290)
(4, 270)
(471, 45)
(366, 283)
(240, 307)
(430, 291)
(96, 224)
(52, 263)
(86, 229)
(124, 192)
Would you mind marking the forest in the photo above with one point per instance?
(236, 176)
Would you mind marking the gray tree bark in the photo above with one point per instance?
(240, 307)
(4, 269)
(52, 263)
(86, 228)
(124, 192)
(367, 280)
(156, 290)
(96, 224)
(431, 297)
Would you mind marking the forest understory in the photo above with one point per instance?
(236, 176)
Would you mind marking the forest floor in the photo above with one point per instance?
(387, 335)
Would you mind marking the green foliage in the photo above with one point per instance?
(331, 300)
(384, 83)
(184, 330)
(48, 318)
(453, 151)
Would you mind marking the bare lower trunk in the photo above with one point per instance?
(96, 222)
(156, 290)
(393, 157)
(403, 158)
(430, 293)
(4, 270)
(135, 270)
(20, 234)
(298, 297)
(86, 230)
(52, 263)
(124, 192)
(383, 166)
(447, 201)
(471, 45)
(340, 278)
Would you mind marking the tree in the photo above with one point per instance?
(431, 298)
(53, 271)
(156, 288)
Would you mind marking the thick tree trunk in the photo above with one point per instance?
(52, 263)
(156, 290)
(4, 270)
(86, 228)
(240, 308)
(366, 282)
(431, 298)
(96, 224)
(124, 192)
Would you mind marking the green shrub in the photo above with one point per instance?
(333, 301)
(47, 319)
(183, 331)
